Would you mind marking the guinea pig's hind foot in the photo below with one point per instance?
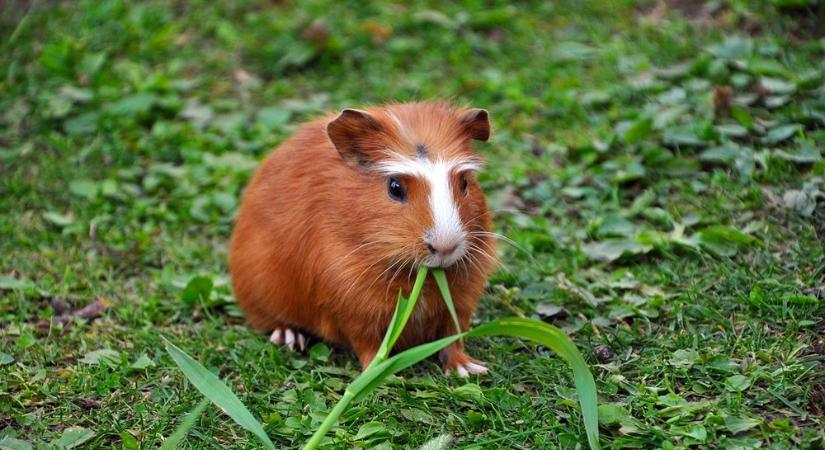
(456, 360)
(291, 339)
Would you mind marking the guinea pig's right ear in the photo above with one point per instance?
(350, 131)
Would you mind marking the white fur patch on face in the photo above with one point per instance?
(447, 235)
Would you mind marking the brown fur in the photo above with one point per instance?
(320, 247)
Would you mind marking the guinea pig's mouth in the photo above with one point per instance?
(445, 259)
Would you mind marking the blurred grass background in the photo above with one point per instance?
(657, 163)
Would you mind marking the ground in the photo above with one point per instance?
(657, 165)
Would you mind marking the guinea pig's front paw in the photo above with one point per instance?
(460, 362)
(291, 339)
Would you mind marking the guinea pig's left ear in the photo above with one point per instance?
(348, 132)
(477, 124)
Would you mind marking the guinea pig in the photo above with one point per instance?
(338, 219)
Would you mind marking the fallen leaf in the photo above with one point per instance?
(73, 437)
(549, 310)
(106, 357)
(93, 309)
(613, 249)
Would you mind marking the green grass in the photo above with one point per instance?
(684, 244)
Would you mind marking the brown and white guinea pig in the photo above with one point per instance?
(338, 219)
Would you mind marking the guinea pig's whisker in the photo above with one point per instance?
(357, 279)
(499, 236)
(476, 257)
(389, 267)
(477, 216)
(395, 274)
(366, 244)
(479, 251)
(464, 264)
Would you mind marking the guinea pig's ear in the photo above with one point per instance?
(476, 124)
(350, 131)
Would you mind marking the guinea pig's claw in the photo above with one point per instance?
(277, 336)
(292, 339)
(467, 369)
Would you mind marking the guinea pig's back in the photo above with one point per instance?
(277, 235)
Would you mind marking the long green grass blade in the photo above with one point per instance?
(561, 344)
(218, 393)
(175, 439)
(372, 378)
(403, 310)
(441, 280)
(540, 332)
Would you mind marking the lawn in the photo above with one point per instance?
(658, 167)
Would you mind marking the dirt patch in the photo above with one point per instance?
(692, 10)
(817, 403)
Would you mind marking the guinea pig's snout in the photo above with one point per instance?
(444, 252)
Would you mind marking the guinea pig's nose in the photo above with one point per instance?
(441, 249)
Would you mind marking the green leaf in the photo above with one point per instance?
(693, 431)
(615, 225)
(733, 47)
(804, 154)
(273, 118)
(11, 283)
(573, 51)
(368, 429)
(723, 241)
(403, 311)
(724, 153)
(684, 358)
(612, 414)
(175, 439)
(73, 437)
(5, 359)
(737, 383)
(441, 280)
(777, 87)
(612, 249)
(320, 352)
(560, 343)
(142, 362)
(781, 133)
(128, 442)
(469, 391)
(442, 442)
(742, 115)
(732, 130)
(10, 443)
(218, 393)
(60, 220)
(107, 357)
(739, 424)
(418, 415)
(197, 290)
(371, 378)
(638, 131)
(542, 333)
(83, 188)
(132, 105)
(761, 66)
(800, 202)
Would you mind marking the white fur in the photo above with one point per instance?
(447, 230)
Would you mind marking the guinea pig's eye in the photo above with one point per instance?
(396, 190)
(464, 183)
